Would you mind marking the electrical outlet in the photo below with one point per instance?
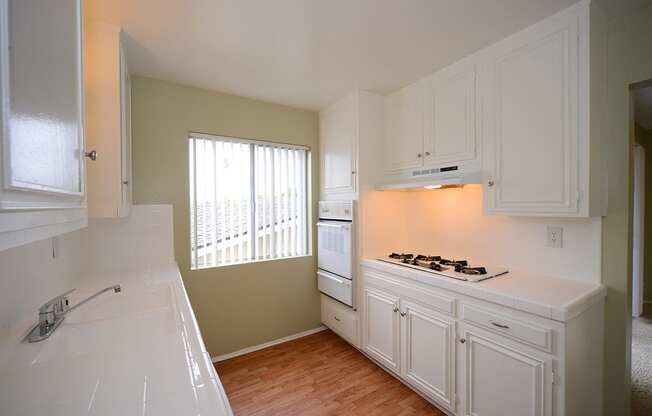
(555, 237)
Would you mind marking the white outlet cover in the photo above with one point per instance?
(555, 237)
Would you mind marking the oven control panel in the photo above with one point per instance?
(336, 210)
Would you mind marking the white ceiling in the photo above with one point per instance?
(643, 107)
(308, 53)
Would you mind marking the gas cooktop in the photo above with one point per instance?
(456, 269)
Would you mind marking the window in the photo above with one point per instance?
(249, 201)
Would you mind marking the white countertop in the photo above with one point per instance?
(138, 352)
(550, 297)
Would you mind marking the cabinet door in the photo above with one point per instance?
(338, 137)
(381, 327)
(41, 124)
(404, 129)
(125, 136)
(532, 117)
(429, 352)
(450, 116)
(502, 378)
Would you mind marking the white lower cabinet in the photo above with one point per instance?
(380, 336)
(473, 357)
(341, 319)
(428, 352)
(502, 378)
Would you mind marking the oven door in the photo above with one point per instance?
(335, 247)
(335, 286)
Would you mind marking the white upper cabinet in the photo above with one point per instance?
(41, 130)
(403, 147)
(540, 140)
(450, 115)
(108, 121)
(338, 131)
(350, 136)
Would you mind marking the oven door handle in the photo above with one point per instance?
(340, 280)
(329, 225)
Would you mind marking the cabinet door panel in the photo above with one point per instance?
(381, 327)
(338, 132)
(43, 138)
(533, 159)
(125, 142)
(429, 358)
(503, 380)
(450, 118)
(404, 129)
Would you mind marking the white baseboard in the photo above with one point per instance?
(267, 344)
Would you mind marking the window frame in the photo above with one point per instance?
(192, 196)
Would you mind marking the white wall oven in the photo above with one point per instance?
(336, 250)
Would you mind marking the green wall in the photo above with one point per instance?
(236, 306)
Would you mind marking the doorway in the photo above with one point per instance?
(641, 244)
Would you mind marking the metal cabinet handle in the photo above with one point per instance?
(402, 313)
(462, 340)
(92, 155)
(336, 318)
(501, 326)
(490, 183)
(427, 153)
(125, 182)
(395, 309)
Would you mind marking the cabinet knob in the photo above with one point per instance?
(402, 313)
(419, 155)
(92, 155)
(490, 183)
(352, 172)
(395, 309)
(125, 182)
(462, 340)
(427, 153)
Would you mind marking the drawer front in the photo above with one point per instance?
(527, 333)
(342, 320)
(336, 287)
(440, 302)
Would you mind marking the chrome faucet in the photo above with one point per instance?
(54, 311)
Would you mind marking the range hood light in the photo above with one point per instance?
(432, 186)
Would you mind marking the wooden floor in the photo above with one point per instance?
(316, 375)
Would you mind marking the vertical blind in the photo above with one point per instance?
(248, 200)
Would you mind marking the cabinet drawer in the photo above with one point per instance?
(339, 318)
(525, 332)
(437, 301)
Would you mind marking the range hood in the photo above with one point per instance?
(450, 175)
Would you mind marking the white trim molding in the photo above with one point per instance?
(267, 344)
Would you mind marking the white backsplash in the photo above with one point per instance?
(450, 222)
(29, 275)
(143, 239)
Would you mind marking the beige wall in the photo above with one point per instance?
(629, 61)
(236, 306)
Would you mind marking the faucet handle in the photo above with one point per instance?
(57, 303)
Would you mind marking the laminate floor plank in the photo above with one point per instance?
(316, 375)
